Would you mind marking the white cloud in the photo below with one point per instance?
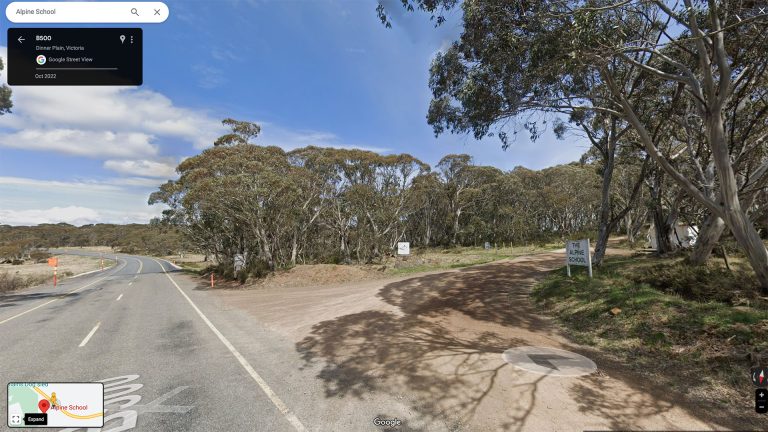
(210, 77)
(123, 111)
(28, 201)
(145, 168)
(74, 215)
(114, 184)
(92, 144)
(273, 135)
(55, 185)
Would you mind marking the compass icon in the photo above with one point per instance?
(760, 376)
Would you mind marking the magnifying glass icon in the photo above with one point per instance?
(134, 11)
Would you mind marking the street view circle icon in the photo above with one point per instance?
(549, 361)
(41, 59)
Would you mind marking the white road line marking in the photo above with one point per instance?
(141, 266)
(119, 297)
(130, 283)
(289, 415)
(87, 338)
(68, 292)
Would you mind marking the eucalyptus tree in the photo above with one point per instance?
(5, 95)
(515, 57)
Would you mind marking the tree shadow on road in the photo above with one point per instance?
(444, 371)
(439, 350)
(444, 376)
(8, 300)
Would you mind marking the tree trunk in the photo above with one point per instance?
(605, 224)
(294, 249)
(344, 246)
(663, 243)
(734, 215)
(456, 227)
(266, 250)
(746, 235)
(629, 228)
(707, 239)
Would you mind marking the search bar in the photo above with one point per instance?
(86, 12)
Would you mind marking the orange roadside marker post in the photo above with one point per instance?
(54, 262)
(211, 280)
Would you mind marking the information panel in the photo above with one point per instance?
(47, 404)
(75, 56)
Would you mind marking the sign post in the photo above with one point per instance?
(577, 253)
(54, 262)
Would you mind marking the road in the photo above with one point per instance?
(177, 357)
(164, 365)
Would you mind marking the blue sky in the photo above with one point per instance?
(311, 72)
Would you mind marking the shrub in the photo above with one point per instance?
(39, 256)
(700, 283)
(241, 276)
(259, 269)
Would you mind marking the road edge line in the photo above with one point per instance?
(125, 263)
(281, 406)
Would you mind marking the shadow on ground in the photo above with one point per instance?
(439, 352)
(13, 299)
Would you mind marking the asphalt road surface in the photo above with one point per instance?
(165, 364)
(426, 350)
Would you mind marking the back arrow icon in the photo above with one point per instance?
(21, 39)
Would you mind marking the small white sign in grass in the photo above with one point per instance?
(403, 248)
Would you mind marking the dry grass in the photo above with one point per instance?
(431, 259)
(192, 262)
(13, 277)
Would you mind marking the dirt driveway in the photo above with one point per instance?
(435, 341)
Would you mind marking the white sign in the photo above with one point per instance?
(239, 262)
(403, 248)
(577, 253)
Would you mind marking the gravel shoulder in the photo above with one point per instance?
(434, 341)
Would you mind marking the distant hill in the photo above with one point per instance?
(16, 242)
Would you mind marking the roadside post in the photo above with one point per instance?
(577, 253)
(54, 262)
(211, 279)
(101, 255)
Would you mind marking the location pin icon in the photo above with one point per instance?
(122, 38)
(44, 405)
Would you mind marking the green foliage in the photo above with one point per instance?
(277, 208)
(698, 345)
(5, 95)
(700, 283)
